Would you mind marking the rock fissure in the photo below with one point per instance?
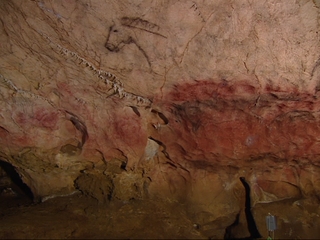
(17, 184)
(252, 227)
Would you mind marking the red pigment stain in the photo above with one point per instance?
(41, 117)
(21, 118)
(22, 140)
(46, 118)
(218, 118)
(128, 129)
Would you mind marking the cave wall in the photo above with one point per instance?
(170, 99)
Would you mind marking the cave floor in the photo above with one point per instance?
(82, 217)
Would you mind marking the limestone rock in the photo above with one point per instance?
(189, 96)
(95, 185)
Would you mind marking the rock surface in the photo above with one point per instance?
(171, 100)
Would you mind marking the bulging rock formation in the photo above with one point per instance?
(169, 100)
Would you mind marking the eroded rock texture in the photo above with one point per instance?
(167, 99)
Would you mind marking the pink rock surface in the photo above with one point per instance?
(187, 96)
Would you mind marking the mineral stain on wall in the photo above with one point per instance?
(242, 122)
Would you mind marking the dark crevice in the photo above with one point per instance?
(135, 110)
(4, 129)
(16, 179)
(123, 165)
(161, 115)
(252, 227)
(102, 156)
(171, 164)
(164, 148)
(251, 224)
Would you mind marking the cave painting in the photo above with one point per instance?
(161, 46)
(124, 33)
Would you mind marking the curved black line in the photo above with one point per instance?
(79, 126)
(142, 51)
(82, 128)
